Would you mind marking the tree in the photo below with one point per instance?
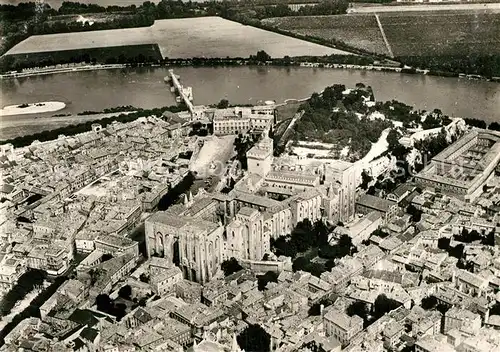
(262, 56)
(393, 139)
(254, 339)
(283, 245)
(223, 104)
(457, 251)
(263, 280)
(384, 305)
(444, 243)
(494, 126)
(316, 269)
(379, 233)
(300, 264)
(315, 309)
(495, 309)
(321, 231)
(26, 283)
(366, 179)
(489, 239)
(358, 308)
(119, 311)
(416, 214)
(345, 242)
(142, 301)
(125, 292)
(230, 266)
(429, 302)
(144, 278)
(104, 303)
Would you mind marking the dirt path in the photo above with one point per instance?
(387, 45)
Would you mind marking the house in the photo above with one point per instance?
(341, 326)
(463, 320)
(401, 192)
(368, 203)
(469, 283)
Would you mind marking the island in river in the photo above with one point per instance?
(34, 108)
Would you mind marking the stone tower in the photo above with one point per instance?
(260, 156)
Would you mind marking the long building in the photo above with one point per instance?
(464, 167)
(238, 120)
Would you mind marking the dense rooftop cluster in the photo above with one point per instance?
(296, 254)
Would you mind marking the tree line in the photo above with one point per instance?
(33, 310)
(485, 65)
(149, 54)
(26, 283)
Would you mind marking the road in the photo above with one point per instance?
(284, 136)
(377, 148)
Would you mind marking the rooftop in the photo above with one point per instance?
(374, 202)
(342, 320)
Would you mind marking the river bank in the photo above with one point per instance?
(144, 87)
(34, 108)
(61, 69)
(240, 62)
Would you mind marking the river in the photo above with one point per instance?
(144, 87)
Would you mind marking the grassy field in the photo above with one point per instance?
(182, 38)
(409, 33)
(359, 31)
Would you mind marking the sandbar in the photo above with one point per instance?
(35, 108)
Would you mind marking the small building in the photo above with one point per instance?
(462, 320)
(368, 203)
(401, 192)
(341, 326)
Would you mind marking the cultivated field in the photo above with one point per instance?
(182, 38)
(362, 8)
(359, 31)
(442, 33)
(408, 33)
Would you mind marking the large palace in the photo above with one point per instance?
(465, 166)
(267, 203)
